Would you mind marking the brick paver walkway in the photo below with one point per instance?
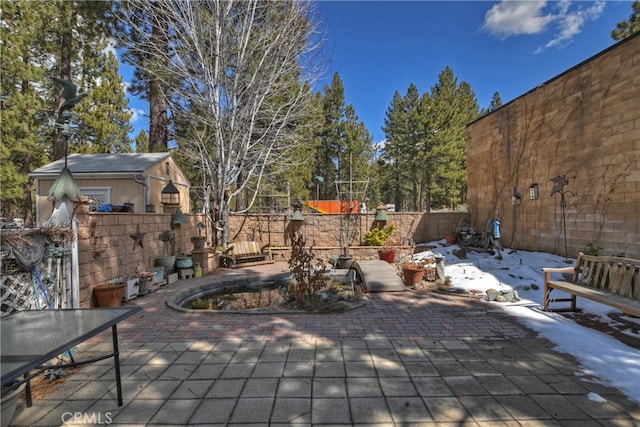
(412, 358)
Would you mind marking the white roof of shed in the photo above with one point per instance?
(102, 164)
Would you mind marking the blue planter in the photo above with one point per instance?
(186, 262)
(159, 273)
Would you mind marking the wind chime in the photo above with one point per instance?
(558, 187)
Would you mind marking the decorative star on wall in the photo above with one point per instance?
(138, 237)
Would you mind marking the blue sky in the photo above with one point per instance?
(379, 47)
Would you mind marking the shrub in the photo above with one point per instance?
(378, 236)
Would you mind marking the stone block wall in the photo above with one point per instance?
(108, 248)
(108, 251)
(583, 125)
(325, 230)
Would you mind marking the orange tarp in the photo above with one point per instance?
(334, 206)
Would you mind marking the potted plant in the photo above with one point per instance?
(184, 261)
(412, 272)
(146, 281)
(379, 236)
(111, 293)
(450, 238)
(199, 240)
(167, 260)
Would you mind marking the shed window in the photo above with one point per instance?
(98, 196)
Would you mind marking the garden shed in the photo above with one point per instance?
(126, 182)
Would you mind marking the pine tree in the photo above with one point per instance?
(346, 149)
(628, 27)
(426, 148)
(496, 102)
(83, 28)
(150, 81)
(453, 107)
(141, 142)
(42, 40)
(105, 129)
(24, 51)
(403, 140)
(330, 137)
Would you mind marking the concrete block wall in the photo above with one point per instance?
(108, 251)
(324, 230)
(584, 125)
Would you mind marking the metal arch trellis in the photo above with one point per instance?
(351, 191)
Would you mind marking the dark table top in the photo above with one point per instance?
(31, 338)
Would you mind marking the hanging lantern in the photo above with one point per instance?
(170, 195)
(179, 218)
(381, 213)
(297, 211)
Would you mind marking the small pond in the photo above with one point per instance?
(274, 294)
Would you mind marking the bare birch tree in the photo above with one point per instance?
(239, 76)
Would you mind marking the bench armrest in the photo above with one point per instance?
(558, 269)
(549, 270)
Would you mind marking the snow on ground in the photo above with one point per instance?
(599, 354)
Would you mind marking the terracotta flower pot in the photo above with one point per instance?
(412, 274)
(109, 294)
(450, 238)
(388, 255)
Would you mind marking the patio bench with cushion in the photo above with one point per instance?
(614, 281)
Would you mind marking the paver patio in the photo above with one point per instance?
(411, 358)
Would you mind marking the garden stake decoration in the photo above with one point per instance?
(558, 187)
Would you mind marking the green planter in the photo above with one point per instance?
(166, 261)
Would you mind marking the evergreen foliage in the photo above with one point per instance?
(630, 26)
(40, 40)
(378, 236)
(140, 43)
(345, 146)
(105, 129)
(426, 144)
(496, 102)
(24, 106)
(141, 142)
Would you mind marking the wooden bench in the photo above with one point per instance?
(245, 253)
(609, 280)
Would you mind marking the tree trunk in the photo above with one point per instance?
(27, 191)
(60, 140)
(158, 130)
(159, 124)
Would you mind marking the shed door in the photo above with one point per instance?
(98, 196)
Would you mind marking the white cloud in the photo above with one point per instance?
(571, 23)
(137, 114)
(511, 18)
